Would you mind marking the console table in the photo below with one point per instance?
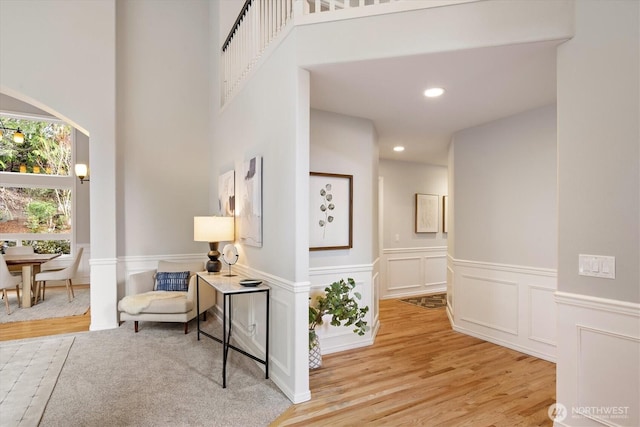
(229, 287)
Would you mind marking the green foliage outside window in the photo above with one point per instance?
(40, 205)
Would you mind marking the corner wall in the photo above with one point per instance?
(348, 145)
(599, 186)
(502, 274)
(269, 117)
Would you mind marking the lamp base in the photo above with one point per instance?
(213, 265)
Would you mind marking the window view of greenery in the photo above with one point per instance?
(40, 205)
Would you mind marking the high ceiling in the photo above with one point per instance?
(481, 85)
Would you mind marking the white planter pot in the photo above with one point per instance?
(315, 356)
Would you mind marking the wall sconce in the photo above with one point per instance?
(18, 136)
(82, 172)
(213, 229)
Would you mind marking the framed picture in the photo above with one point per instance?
(445, 212)
(250, 207)
(330, 211)
(227, 193)
(426, 213)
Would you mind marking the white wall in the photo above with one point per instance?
(505, 191)
(411, 263)
(598, 186)
(80, 92)
(402, 180)
(502, 274)
(164, 141)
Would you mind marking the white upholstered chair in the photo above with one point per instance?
(65, 274)
(143, 302)
(18, 250)
(7, 280)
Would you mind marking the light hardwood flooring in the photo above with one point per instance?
(420, 372)
(45, 327)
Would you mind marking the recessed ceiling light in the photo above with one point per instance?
(398, 148)
(433, 92)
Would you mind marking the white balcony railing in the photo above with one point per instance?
(260, 22)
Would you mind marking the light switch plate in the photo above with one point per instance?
(597, 266)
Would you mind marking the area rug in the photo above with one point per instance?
(29, 370)
(428, 301)
(56, 304)
(160, 377)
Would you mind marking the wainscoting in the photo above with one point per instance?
(598, 361)
(413, 271)
(334, 339)
(508, 305)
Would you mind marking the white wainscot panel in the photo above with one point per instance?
(404, 273)
(598, 361)
(542, 315)
(435, 270)
(280, 348)
(489, 302)
(598, 348)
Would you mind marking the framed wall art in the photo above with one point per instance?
(445, 212)
(227, 193)
(426, 213)
(250, 207)
(330, 211)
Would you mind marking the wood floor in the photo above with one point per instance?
(421, 373)
(45, 327)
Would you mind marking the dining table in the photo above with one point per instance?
(30, 266)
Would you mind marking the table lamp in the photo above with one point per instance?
(213, 229)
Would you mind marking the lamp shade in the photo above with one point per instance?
(81, 170)
(213, 228)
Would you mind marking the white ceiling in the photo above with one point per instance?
(481, 85)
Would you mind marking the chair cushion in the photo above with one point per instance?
(156, 302)
(172, 281)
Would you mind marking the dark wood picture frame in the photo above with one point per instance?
(330, 211)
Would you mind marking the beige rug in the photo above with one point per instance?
(56, 304)
(29, 370)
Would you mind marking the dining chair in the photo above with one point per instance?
(8, 280)
(18, 250)
(65, 274)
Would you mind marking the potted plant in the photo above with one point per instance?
(343, 308)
